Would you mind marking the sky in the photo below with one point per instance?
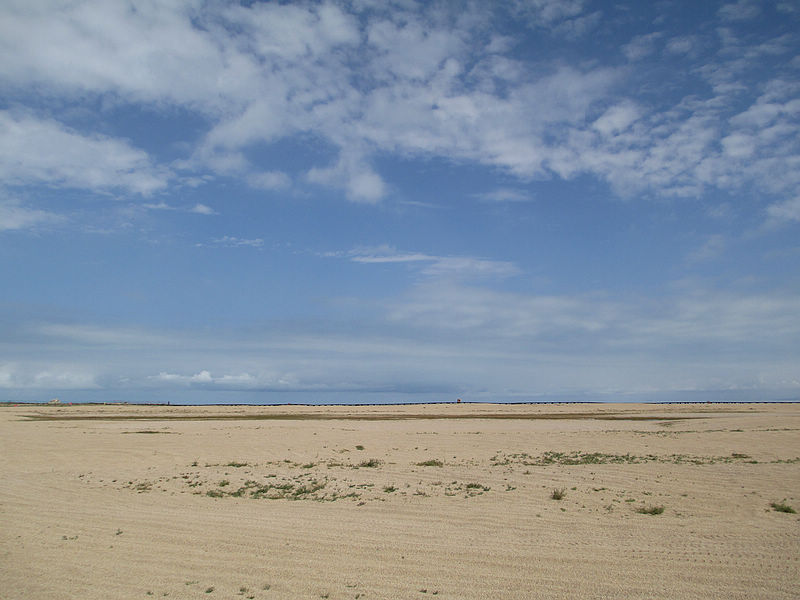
(373, 201)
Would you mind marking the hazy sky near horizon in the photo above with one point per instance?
(260, 201)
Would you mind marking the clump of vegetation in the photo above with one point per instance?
(558, 493)
(432, 462)
(359, 447)
(650, 510)
(223, 483)
(782, 507)
(233, 463)
(147, 431)
(389, 489)
(601, 458)
(478, 486)
(371, 463)
(215, 493)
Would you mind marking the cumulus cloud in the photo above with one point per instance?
(360, 182)
(35, 150)
(428, 85)
(367, 82)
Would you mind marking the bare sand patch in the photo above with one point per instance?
(456, 501)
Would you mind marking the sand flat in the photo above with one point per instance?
(451, 501)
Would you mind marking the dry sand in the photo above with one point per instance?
(280, 502)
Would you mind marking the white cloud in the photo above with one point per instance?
(101, 336)
(680, 45)
(229, 241)
(785, 211)
(199, 209)
(51, 376)
(13, 215)
(202, 209)
(149, 53)
(448, 267)
(548, 12)
(506, 195)
(641, 46)
(34, 150)
(414, 83)
(743, 10)
(158, 206)
(451, 336)
(595, 321)
(360, 182)
(617, 118)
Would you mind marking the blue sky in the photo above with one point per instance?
(399, 201)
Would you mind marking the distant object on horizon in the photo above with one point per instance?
(458, 401)
(54, 401)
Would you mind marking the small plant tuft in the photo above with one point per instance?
(432, 462)
(650, 510)
(359, 447)
(558, 493)
(782, 507)
(371, 463)
(478, 486)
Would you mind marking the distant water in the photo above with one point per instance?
(206, 397)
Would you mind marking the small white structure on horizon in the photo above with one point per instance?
(54, 401)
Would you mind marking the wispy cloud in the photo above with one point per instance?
(786, 211)
(230, 241)
(15, 215)
(712, 248)
(448, 335)
(270, 180)
(199, 209)
(432, 265)
(506, 195)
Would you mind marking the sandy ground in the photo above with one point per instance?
(452, 501)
